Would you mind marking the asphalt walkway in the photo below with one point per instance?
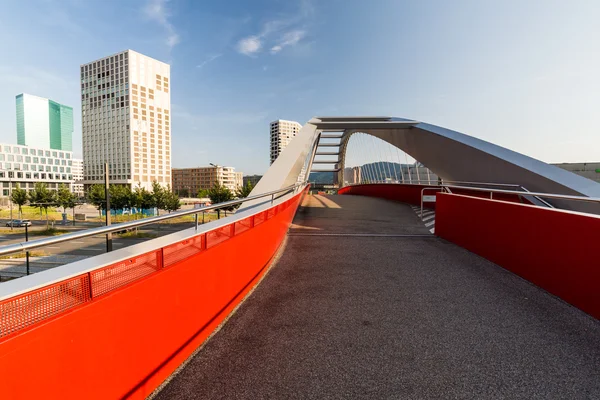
(365, 303)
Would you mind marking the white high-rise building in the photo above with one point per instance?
(77, 170)
(126, 118)
(282, 132)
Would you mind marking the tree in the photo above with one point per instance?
(135, 199)
(141, 198)
(219, 194)
(171, 201)
(19, 197)
(203, 193)
(120, 197)
(158, 194)
(244, 191)
(184, 192)
(42, 198)
(96, 196)
(64, 198)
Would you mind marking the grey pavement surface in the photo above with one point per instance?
(392, 317)
(356, 214)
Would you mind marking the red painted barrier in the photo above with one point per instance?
(406, 193)
(120, 331)
(554, 249)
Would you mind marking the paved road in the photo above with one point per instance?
(74, 250)
(380, 315)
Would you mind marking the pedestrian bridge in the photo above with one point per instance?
(490, 290)
(363, 301)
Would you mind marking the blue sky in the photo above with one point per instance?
(521, 74)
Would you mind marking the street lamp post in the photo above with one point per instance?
(216, 172)
(10, 198)
(107, 197)
(219, 183)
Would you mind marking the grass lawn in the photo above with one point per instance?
(31, 213)
(49, 232)
(137, 235)
(115, 219)
(22, 254)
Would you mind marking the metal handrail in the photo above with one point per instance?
(423, 195)
(528, 193)
(505, 185)
(435, 183)
(485, 183)
(25, 246)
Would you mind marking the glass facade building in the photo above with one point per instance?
(44, 123)
(24, 165)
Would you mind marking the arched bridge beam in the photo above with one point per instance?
(451, 155)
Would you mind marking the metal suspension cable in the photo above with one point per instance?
(387, 163)
(364, 158)
(417, 167)
(377, 166)
(360, 158)
(400, 163)
(393, 164)
(363, 147)
(372, 165)
(378, 143)
(408, 168)
(370, 174)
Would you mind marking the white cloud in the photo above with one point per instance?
(209, 60)
(249, 45)
(288, 39)
(156, 10)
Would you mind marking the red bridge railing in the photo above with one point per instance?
(120, 330)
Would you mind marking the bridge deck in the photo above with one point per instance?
(391, 317)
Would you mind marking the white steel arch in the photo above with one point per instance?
(451, 155)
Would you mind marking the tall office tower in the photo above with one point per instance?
(282, 132)
(44, 123)
(126, 116)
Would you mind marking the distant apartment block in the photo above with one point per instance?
(24, 165)
(590, 170)
(282, 132)
(126, 119)
(44, 123)
(253, 179)
(356, 176)
(77, 170)
(191, 180)
(239, 179)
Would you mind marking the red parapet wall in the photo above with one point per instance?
(406, 193)
(554, 249)
(120, 331)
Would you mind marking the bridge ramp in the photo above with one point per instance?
(376, 316)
